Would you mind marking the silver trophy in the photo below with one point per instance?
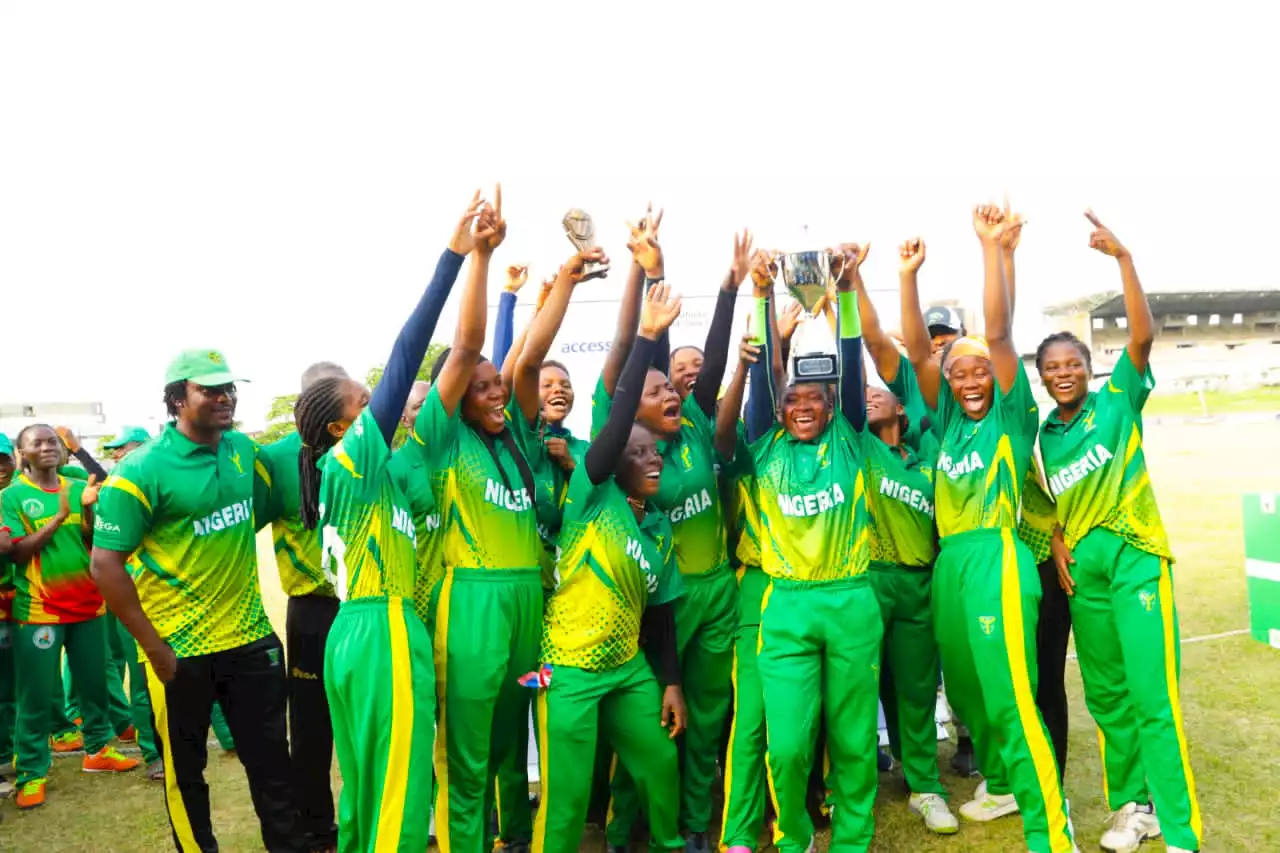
(808, 276)
(581, 232)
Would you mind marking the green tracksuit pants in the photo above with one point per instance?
(129, 704)
(8, 707)
(745, 778)
(909, 671)
(381, 689)
(488, 634)
(986, 603)
(1126, 626)
(37, 652)
(626, 704)
(706, 622)
(819, 655)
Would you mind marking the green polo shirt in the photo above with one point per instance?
(297, 548)
(185, 512)
(906, 387)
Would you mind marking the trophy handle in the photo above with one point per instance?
(835, 276)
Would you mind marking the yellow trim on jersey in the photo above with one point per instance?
(1024, 700)
(733, 729)
(1175, 703)
(442, 727)
(544, 746)
(262, 472)
(1003, 508)
(396, 779)
(182, 830)
(115, 481)
(345, 461)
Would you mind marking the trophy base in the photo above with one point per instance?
(591, 271)
(815, 367)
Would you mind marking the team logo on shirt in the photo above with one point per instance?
(235, 460)
(43, 638)
(685, 458)
(988, 624)
(1089, 425)
(1148, 599)
(33, 508)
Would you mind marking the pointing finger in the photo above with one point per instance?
(1089, 215)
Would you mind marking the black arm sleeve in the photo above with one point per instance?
(661, 352)
(658, 633)
(853, 395)
(90, 464)
(603, 454)
(715, 355)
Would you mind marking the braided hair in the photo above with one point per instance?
(1064, 338)
(317, 407)
(22, 433)
(174, 393)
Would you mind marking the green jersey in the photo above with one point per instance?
(186, 514)
(410, 472)
(73, 472)
(743, 508)
(688, 492)
(297, 548)
(906, 387)
(611, 568)
(54, 587)
(368, 539)
(548, 487)
(489, 516)
(1039, 517)
(983, 463)
(1097, 468)
(812, 501)
(900, 501)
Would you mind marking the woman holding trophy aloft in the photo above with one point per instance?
(820, 624)
(986, 588)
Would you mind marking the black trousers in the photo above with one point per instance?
(250, 684)
(310, 729)
(1051, 659)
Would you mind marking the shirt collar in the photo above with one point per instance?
(185, 446)
(1054, 423)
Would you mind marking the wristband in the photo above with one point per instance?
(849, 317)
(760, 324)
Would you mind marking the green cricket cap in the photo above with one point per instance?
(128, 435)
(6, 446)
(201, 366)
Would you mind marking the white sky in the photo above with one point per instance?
(277, 179)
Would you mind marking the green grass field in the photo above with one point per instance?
(1229, 692)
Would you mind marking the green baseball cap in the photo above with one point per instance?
(201, 366)
(128, 435)
(6, 446)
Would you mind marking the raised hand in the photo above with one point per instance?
(69, 439)
(462, 241)
(988, 223)
(764, 271)
(644, 244)
(748, 350)
(911, 256)
(852, 255)
(89, 496)
(544, 291)
(660, 309)
(1101, 239)
(1013, 228)
(741, 260)
(517, 275)
(576, 265)
(789, 320)
(491, 228)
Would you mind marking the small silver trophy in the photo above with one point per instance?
(808, 276)
(581, 232)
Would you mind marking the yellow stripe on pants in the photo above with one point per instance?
(1024, 700)
(396, 780)
(1175, 703)
(540, 821)
(442, 730)
(172, 793)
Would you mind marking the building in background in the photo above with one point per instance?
(88, 420)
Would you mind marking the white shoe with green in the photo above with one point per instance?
(937, 817)
(1128, 827)
(984, 806)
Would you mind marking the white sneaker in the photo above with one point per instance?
(6, 789)
(1129, 827)
(984, 806)
(937, 817)
(941, 710)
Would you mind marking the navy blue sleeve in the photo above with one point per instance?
(853, 394)
(761, 400)
(606, 449)
(502, 330)
(662, 350)
(387, 402)
(715, 356)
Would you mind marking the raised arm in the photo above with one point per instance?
(884, 354)
(715, 353)
(852, 387)
(387, 401)
(513, 354)
(914, 334)
(647, 263)
(486, 235)
(731, 405)
(768, 374)
(543, 329)
(504, 326)
(1136, 307)
(990, 225)
(72, 443)
(659, 311)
